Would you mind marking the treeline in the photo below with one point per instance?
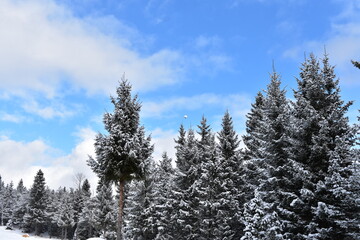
(297, 178)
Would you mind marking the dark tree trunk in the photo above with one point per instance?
(120, 216)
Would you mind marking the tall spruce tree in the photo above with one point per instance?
(228, 219)
(319, 120)
(208, 174)
(120, 155)
(186, 192)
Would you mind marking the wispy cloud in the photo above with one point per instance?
(49, 111)
(15, 118)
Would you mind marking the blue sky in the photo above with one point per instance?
(62, 59)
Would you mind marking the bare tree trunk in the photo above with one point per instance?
(120, 216)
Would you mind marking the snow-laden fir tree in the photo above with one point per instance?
(120, 155)
(140, 207)
(105, 216)
(87, 221)
(261, 221)
(21, 202)
(35, 218)
(208, 174)
(229, 183)
(163, 198)
(318, 121)
(253, 164)
(252, 138)
(65, 214)
(8, 202)
(186, 192)
(2, 187)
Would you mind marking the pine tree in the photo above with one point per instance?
(21, 202)
(163, 198)
(65, 214)
(37, 204)
(228, 219)
(87, 221)
(252, 139)
(120, 155)
(8, 202)
(2, 188)
(104, 211)
(319, 121)
(186, 191)
(208, 174)
(141, 207)
(261, 221)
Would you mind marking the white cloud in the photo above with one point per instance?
(42, 43)
(24, 159)
(163, 141)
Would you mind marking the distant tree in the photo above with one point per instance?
(36, 215)
(9, 200)
(2, 188)
(120, 155)
(21, 202)
(65, 214)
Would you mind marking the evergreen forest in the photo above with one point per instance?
(297, 178)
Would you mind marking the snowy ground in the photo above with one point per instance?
(18, 235)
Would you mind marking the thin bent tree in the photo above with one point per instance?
(122, 153)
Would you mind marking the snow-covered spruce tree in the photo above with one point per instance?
(261, 222)
(87, 221)
(65, 214)
(318, 119)
(8, 202)
(21, 202)
(338, 197)
(280, 191)
(120, 154)
(105, 216)
(253, 164)
(163, 198)
(36, 216)
(140, 207)
(208, 174)
(228, 180)
(252, 138)
(2, 187)
(186, 191)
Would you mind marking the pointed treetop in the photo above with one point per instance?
(228, 138)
